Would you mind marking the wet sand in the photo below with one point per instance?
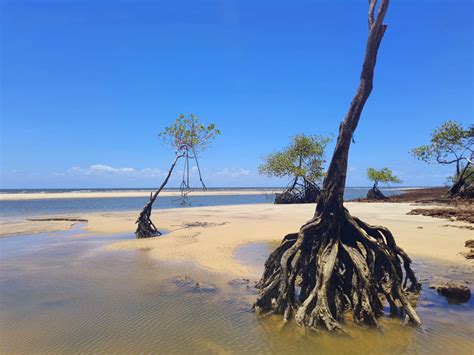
(209, 236)
(69, 292)
(212, 245)
(11, 227)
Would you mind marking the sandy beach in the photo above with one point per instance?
(209, 236)
(127, 294)
(237, 178)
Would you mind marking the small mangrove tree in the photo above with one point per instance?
(188, 137)
(384, 175)
(302, 162)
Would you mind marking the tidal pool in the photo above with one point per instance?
(65, 292)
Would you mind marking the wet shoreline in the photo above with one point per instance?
(95, 299)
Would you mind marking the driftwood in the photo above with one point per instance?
(337, 264)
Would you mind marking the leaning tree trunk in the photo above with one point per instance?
(339, 263)
(462, 188)
(146, 228)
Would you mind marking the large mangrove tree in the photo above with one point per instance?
(336, 263)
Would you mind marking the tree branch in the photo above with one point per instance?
(335, 181)
(372, 4)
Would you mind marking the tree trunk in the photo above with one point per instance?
(335, 182)
(340, 263)
(146, 228)
(462, 188)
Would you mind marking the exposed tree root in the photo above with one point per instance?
(375, 194)
(342, 265)
(146, 228)
(304, 191)
(463, 187)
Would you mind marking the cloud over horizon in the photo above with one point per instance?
(102, 169)
(100, 174)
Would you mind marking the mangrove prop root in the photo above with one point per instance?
(463, 187)
(337, 265)
(145, 227)
(301, 190)
(375, 194)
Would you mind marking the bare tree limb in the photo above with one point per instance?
(335, 182)
(372, 4)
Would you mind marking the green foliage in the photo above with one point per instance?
(450, 143)
(189, 134)
(383, 175)
(304, 157)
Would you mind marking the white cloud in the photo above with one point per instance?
(98, 175)
(232, 172)
(101, 169)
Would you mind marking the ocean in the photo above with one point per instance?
(37, 207)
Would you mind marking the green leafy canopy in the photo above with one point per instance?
(189, 134)
(450, 143)
(304, 157)
(383, 175)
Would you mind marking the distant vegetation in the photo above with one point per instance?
(384, 175)
(302, 163)
(451, 143)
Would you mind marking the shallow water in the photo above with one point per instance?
(64, 292)
(25, 208)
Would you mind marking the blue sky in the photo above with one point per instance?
(87, 85)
